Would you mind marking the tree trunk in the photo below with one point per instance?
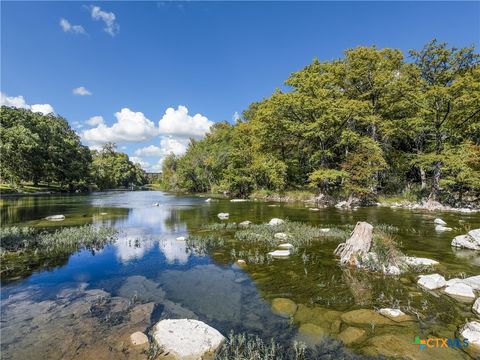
(423, 178)
(436, 181)
(357, 246)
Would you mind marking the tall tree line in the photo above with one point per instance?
(372, 122)
(43, 148)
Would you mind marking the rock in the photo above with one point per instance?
(223, 216)
(55, 218)
(461, 290)
(476, 306)
(471, 331)
(395, 315)
(208, 200)
(187, 339)
(475, 234)
(245, 223)
(285, 246)
(181, 238)
(442, 228)
(156, 204)
(314, 209)
(284, 307)
(352, 335)
(392, 270)
(416, 261)
(138, 338)
(103, 213)
(341, 205)
(363, 317)
(466, 242)
(432, 281)
(241, 263)
(473, 281)
(238, 200)
(336, 325)
(439, 222)
(281, 236)
(311, 334)
(275, 222)
(280, 253)
(325, 230)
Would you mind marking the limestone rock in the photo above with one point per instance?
(473, 281)
(223, 216)
(275, 221)
(466, 242)
(208, 200)
(187, 339)
(439, 221)
(245, 223)
(417, 261)
(238, 200)
(441, 228)
(284, 307)
(460, 290)
(395, 315)
(471, 331)
(475, 234)
(281, 236)
(138, 338)
(241, 263)
(285, 246)
(365, 317)
(476, 306)
(352, 335)
(279, 253)
(181, 238)
(55, 218)
(311, 334)
(432, 281)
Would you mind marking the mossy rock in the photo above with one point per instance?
(284, 307)
(352, 335)
(364, 317)
(311, 334)
(317, 315)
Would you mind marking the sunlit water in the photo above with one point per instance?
(86, 305)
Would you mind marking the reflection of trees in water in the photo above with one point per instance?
(360, 285)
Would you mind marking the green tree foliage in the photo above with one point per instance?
(371, 122)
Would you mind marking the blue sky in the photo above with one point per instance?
(134, 60)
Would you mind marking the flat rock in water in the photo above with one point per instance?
(475, 234)
(460, 290)
(280, 253)
(396, 315)
(432, 281)
(223, 216)
(442, 228)
(284, 307)
(281, 236)
(439, 221)
(466, 242)
(238, 200)
(285, 246)
(245, 223)
(186, 339)
(138, 338)
(473, 281)
(352, 335)
(55, 218)
(476, 306)
(314, 209)
(417, 261)
(365, 317)
(276, 221)
(471, 331)
(311, 334)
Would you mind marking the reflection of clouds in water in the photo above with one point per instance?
(174, 250)
(132, 247)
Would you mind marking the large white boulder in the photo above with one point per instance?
(417, 261)
(245, 223)
(473, 281)
(285, 246)
(55, 218)
(475, 234)
(460, 289)
(223, 216)
(471, 331)
(476, 306)
(276, 221)
(281, 236)
(466, 242)
(279, 253)
(432, 281)
(187, 339)
(439, 221)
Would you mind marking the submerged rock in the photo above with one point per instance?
(352, 335)
(311, 334)
(284, 307)
(396, 315)
(439, 221)
(138, 338)
(245, 223)
(187, 339)
(417, 261)
(476, 306)
(280, 253)
(275, 222)
(55, 218)
(285, 246)
(223, 216)
(432, 281)
(365, 317)
(442, 228)
(238, 200)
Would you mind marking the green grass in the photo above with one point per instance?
(28, 188)
(288, 196)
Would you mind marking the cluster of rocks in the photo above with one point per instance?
(440, 225)
(471, 240)
(461, 289)
(426, 205)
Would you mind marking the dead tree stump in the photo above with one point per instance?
(357, 246)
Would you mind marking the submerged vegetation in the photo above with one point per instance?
(24, 249)
(370, 124)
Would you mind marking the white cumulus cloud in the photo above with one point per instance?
(95, 120)
(82, 91)
(68, 27)
(179, 123)
(130, 127)
(19, 102)
(136, 160)
(111, 27)
(150, 150)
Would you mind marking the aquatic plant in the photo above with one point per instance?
(203, 244)
(386, 249)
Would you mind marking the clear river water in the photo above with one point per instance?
(86, 305)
